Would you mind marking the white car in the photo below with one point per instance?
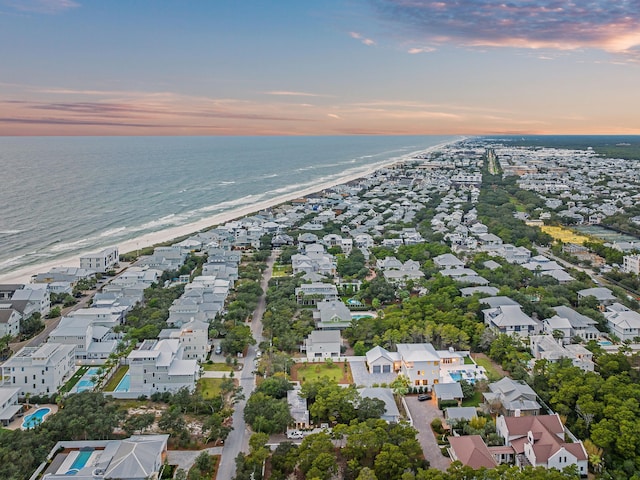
(295, 434)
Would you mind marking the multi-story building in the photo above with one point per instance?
(39, 370)
(100, 261)
(158, 366)
(631, 264)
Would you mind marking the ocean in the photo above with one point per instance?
(64, 196)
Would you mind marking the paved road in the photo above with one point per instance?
(238, 439)
(51, 324)
(422, 414)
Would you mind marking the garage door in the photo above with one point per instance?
(376, 369)
(386, 369)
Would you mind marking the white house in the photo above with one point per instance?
(194, 339)
(379, 360)
(39, 299)
(312, 293)
(9, 406)
(39, 370)
(100, 261)
(548, 348)
(631, 264)
(322, 344)
(9, 320)
(158, 366)
(420, 363)
(623, 323)
(93, 343)
(510, 319)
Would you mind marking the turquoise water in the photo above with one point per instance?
(124, 187)
(605, 342)
(85, 382)
(124, 384)
(36, 418)
(358, 317)
(79, 462)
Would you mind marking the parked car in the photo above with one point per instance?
(424, 397)
(218, 350)
(295, 434)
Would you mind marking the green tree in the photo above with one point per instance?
(267, 414)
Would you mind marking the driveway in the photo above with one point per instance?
(362, 377)
(422, 414)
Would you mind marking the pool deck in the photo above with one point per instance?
(17, 423)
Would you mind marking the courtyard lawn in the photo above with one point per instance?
(492, 372)
(474, 401)
(209, 387)
(116, 378)
(66, 388)
(303, 372)
(217, 367)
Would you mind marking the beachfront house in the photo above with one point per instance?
(64, 274)
(39, 370)
(36, 297)
(9, 320)
(101, 261)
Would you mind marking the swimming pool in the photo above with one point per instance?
(603, 343)
(124, 384)
(358, 317)
(79, 462)
(36, 418)
(85, 383)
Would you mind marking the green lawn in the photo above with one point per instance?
(314, 371)
(468, 361)
(492, 373)
(209, 387)
(217, 367)
(115, 379)
(474, 401)
(66, 388)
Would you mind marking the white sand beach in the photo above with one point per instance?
(24, 275)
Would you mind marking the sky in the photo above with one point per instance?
(319, 67)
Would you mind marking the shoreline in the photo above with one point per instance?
(23, 275)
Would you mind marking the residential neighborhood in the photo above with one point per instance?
(433, 301)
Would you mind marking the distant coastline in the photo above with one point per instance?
(23, 275)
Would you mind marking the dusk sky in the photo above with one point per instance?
(319, 67)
